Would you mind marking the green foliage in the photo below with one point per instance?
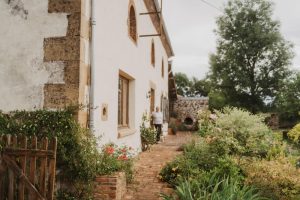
(78, 158)
(115, 159)
(204, 122)
(278, 179)
(77, 152)
(287, 101)
(77, 149)
(191, 87)
(80, 190)
(200, 160)
(183, 84)
(65, 195)
(294, 134)
(217, 99)
(252, 57)
(215, 188)
(242, 132)
(148, 134)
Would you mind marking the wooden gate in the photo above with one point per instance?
(27, 168)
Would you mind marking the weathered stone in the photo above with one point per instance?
(187, 108)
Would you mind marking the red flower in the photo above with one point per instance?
(109, 150)
(122, 157)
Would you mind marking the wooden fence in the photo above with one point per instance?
(27, 168)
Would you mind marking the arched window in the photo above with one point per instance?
(153, 53)
(163, 68)
(132, 24)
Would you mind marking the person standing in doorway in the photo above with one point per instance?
(157, 118)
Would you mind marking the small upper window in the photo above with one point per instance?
(152, 53)
(163, 68)
(132, 24)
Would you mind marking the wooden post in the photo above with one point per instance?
(52, 170)
(23, 144)
(2, 169)
(11, 142)
(43, 169)
(2, 172)
(32, 167)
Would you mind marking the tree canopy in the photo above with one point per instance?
(191, 87)
(252, 57)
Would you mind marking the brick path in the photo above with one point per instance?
(146, 185)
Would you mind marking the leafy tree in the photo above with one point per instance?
(251, 60)
(287, 101)
(191, 87)
(200, 87)
(183, 84)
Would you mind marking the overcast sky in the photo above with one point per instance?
(191, 23)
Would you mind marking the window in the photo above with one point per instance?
(123, 98)
(153, 54)
(162, 68)
(132, 24)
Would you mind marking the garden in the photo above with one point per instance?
(236, 156)
(79, 158)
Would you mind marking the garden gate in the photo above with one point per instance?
(27, 168)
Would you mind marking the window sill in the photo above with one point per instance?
(124, 132)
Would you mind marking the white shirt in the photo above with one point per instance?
(157, 117)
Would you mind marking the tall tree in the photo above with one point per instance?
(183, 84)
(252, 57)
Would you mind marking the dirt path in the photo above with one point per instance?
(146, 184)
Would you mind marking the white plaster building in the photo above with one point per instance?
(130, 73)
(51, 56)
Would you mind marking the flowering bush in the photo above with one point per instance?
(243, 132)
(114, 158)
(148, 134)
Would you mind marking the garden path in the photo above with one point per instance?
(146, 184)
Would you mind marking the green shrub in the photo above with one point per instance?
(148, 134)
(200, 159)
(76, 191)
(277, 179)
(77, 147)
(178, 169)
(204, 122)
(294, 134)
(77, 152)
(243, 132)
(215, 188)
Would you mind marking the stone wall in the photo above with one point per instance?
(44, 54)
(73, 51)
(110, 187)
(185, 107)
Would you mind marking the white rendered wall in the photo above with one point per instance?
(115, 51)
(24, 25)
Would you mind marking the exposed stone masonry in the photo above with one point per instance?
(186, 107)
(71, 50)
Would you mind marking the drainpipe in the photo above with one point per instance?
(92, 67)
